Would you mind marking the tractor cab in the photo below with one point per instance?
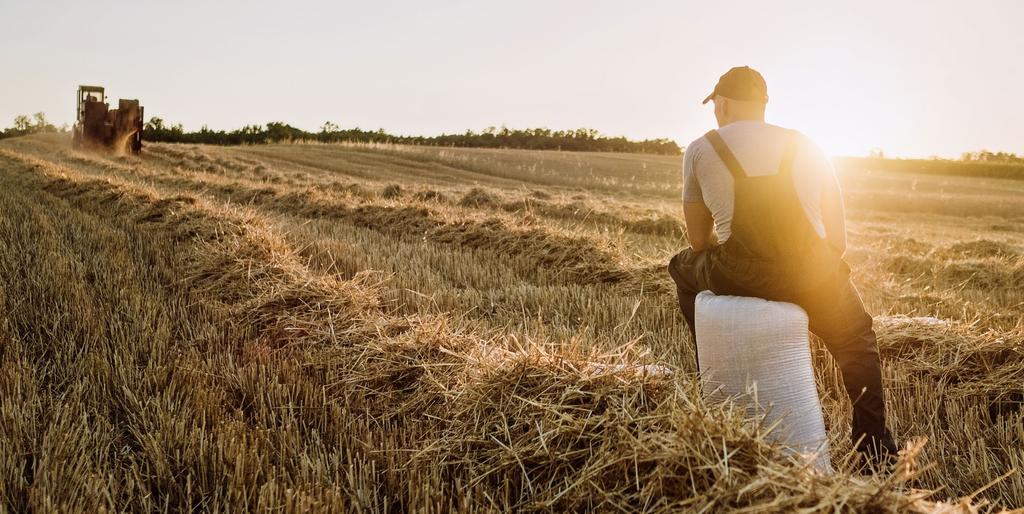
(89, 95)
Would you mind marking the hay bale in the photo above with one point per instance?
(977, 249)
(661, 225)
(391, 191)
(430, 195)
(757, 352)
(479, 197)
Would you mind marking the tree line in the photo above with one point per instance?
(24, 125)
(582, 139)
(995, 157)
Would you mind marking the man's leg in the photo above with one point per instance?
(688, 271)
(836, 315)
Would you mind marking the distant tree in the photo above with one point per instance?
(41, 124)
(279, 131)
(22, 123)
(154, 125)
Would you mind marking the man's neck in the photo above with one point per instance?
(759, 119)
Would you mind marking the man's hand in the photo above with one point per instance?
(699, 225)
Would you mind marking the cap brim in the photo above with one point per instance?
(709, 98)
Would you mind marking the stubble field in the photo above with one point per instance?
(305, 328)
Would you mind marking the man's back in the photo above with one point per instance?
(758, 146)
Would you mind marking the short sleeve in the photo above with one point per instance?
(691, 186)
(815, 158)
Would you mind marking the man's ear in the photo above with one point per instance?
(725, 105)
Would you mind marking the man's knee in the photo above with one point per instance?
(683, 271)
(856, 341)
(674, 263)
(841, 321)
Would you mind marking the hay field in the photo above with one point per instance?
(323, 328)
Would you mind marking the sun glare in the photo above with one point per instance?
(834, 114)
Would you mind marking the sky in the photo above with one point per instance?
(913, 78)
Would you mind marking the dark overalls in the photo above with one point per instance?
(774, 253)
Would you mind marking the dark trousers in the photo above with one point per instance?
(835, 313)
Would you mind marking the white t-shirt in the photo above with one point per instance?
(758, 146)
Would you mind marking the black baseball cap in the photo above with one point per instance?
(741, 83)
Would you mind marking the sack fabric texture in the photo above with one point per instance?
(757, 352)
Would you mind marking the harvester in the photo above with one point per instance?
(98, 127)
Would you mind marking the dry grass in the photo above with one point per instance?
(330, 328)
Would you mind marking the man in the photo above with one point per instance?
(764, 218)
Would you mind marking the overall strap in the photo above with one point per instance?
(725, 154)
(789, 154)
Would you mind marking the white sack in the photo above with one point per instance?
(758, 351)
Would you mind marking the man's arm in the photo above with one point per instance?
(833, 215)
(696, 214)
(699, 225)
